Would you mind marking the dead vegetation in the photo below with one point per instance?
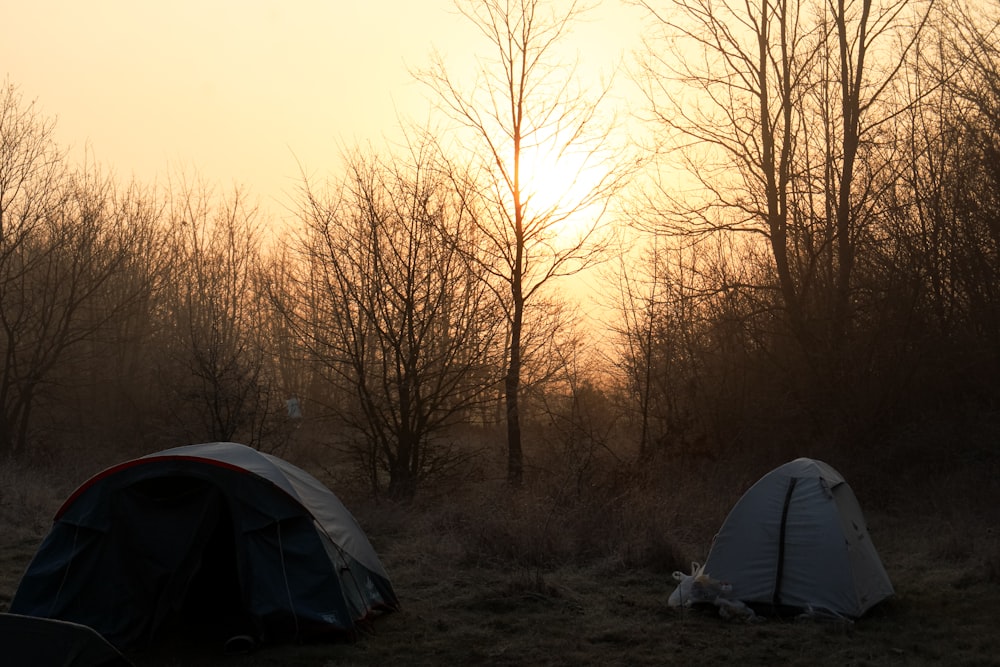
(544, 576)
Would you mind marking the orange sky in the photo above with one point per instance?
(237, 91)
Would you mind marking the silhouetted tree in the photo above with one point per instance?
(779, 116)
(65, 237)
(526, 106)
(776, 110)
(944, 263)
(403, 325)
(212, 318)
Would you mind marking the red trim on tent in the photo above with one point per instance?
(113, 470)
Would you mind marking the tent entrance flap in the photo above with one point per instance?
(213, 607)
(180, 528)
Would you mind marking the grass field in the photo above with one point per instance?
(551, 577)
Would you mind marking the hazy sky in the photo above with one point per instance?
(237, 91)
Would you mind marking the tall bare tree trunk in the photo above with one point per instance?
(512, 387)
(522, 101)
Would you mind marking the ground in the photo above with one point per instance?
(472, 594)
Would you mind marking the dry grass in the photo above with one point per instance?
(28, 500)
(551, 576)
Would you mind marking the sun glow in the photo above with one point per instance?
(563, 191)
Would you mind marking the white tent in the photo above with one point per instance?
(797, 540)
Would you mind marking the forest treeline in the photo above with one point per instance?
(803, 245)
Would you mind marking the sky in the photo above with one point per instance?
(246, 92)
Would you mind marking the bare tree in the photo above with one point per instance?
(681, 342)
(973, 50)
(212, 317)
(641, 339)
(403, 325)
(777, 109)
(103, 389)
(526, 104)
(66, 238)
(945, 253)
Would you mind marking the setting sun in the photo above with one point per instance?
(563, 189)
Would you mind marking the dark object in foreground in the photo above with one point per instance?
(29, 641)
(239, 645)
(217, 538)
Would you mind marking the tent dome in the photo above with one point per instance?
(215, 535)
(797, 540)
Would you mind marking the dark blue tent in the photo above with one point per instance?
(218, 536)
